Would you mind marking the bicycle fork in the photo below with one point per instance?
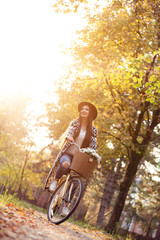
(63, 192)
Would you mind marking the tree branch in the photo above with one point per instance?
(114, 137)
(154, 123)
(112, 93)
(43, 149)
(140, 120)
(151, 67)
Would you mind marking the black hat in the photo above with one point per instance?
(91, 106)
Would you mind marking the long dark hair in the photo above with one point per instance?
(88, 135)
(87, 139)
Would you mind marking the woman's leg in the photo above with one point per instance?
(65, 163)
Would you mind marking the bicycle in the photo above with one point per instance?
(70, 189)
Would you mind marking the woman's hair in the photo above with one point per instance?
(88, 135)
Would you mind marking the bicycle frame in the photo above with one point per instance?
(66, 180)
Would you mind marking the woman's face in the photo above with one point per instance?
(84, 111)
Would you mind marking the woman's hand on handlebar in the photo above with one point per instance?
(70, 139)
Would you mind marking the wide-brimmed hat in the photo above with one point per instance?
(91, 107)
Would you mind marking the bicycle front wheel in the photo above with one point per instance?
(62, 205)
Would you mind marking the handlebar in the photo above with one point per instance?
(74, 143)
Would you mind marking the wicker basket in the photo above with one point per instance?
(83, 164)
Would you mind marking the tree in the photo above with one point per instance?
(109, 189)
(147, 192)
(16, 173)
(140, 131)
(67, 6)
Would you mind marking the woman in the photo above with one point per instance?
(83, 133)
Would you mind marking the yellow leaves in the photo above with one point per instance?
(91, 232)
(10, 205)
(21, 213)
(21, 222)
(75, 228)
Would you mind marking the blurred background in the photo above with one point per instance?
(54, 54)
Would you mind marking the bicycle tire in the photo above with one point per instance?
(71, 198)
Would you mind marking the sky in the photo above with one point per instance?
(32, 38)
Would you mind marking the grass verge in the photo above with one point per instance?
(6, 199)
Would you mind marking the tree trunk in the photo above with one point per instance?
(124, 188)
(19, 192)
(109, 189)
(148, 230)
(158, 233)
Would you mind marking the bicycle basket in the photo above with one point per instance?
(83, 164)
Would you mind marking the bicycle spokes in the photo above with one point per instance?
(66, 197)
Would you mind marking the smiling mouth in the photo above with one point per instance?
(83, 114)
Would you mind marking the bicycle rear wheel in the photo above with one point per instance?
(69, 199)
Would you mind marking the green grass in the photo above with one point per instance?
(6, 199)
(84, 224)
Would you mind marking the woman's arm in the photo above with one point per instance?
(70, 138)
(73, 128)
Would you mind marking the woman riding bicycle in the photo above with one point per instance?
(80, 131)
